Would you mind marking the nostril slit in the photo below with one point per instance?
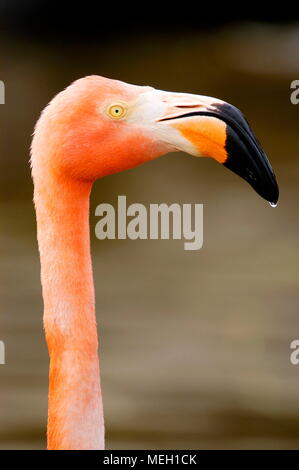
(186, 106)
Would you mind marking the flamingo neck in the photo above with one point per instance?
(75, 416)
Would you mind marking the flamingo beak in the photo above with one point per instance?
(213, 128)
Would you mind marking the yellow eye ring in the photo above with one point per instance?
(117, 110)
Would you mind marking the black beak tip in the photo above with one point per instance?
(265, 185)
(261, 178)
(245, 156)
(274, 195)
(271, 194)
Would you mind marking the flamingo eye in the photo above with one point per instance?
(117, 110)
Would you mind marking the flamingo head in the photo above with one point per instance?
(99, 126)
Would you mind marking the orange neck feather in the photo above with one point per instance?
(75, 419)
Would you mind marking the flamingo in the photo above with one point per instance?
(93, 128)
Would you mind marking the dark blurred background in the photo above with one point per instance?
(194, 345)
